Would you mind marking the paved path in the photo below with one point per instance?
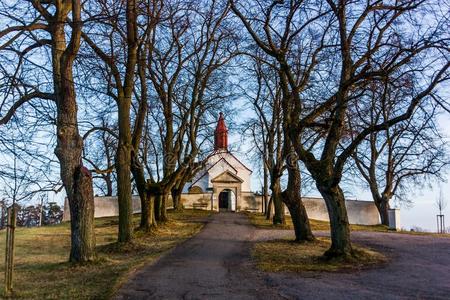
(215, 264)
(419, 268)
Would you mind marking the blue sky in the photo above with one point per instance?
(421, 212)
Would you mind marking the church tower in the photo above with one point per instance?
(221, 135)
(223, 184)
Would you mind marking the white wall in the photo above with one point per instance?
(219, 166)
(359, 212)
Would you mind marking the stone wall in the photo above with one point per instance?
(200, 201)
(359, 212)
(105, 207)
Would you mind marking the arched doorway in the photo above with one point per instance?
(227, 200)
(224, 199)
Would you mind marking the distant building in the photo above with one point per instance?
(224, 181)
(224, 185)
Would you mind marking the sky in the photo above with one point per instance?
(421, 213)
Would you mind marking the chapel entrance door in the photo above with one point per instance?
(224, 200)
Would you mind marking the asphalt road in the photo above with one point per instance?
(216, 264)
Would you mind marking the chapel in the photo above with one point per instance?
(224, 181)
(224, 185)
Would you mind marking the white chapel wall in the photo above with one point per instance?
(359, 212)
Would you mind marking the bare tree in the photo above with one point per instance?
(268, 136)
(120, 58)
(31, 27)
(191, 47)
(277, 151)
(394, 160)
(99, 153)
(441, 202)
(325, 52)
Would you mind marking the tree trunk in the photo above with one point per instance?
(382, 205)
(265, 189)
(293, 200)
(109, 185)
(269, 209)
(163, 208)
(301, 223)
(125, 146)
(147, 215)
(76, 179)
(150, 222)
(77, 182)
(82, 218)
(123, 163)
(3, 215)
(340, 228)
(278, 216)
(147, 222)
(176, 198)
(157, 208)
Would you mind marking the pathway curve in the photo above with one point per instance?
(418, 268)
(215, 264)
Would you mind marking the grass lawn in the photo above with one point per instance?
(287, 256)
(42, 270)
(259, 220)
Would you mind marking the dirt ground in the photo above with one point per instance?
(216, 264)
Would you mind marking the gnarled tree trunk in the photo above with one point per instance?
(265, 197)
(382, 205)
(123, 163)
(340, 228)
(147, 222)
(76, 179)
(277, 200)
(293, 200)
(176, 198)
(163, 207)
(269, 209)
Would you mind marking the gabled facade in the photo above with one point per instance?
(225, 179)
(224, 185)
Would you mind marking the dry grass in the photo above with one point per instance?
(259, 220)
(287, 256)
(42, 270)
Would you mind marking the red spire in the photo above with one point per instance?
(221, 135)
